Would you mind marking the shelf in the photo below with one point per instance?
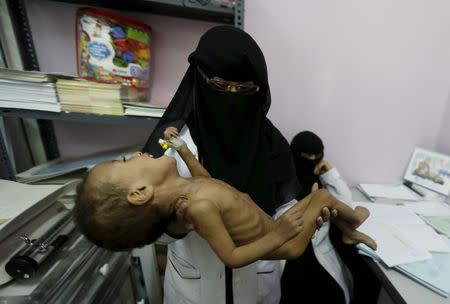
(191, 9)
(147, 122)
(206, 10)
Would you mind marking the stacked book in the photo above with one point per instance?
(135, 103)
(28, 90)
(77, 95)
(34, 90)
(143, 109)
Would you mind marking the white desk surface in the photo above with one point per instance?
(401, 288)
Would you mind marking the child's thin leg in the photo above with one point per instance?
(312, 206)
(322, 198)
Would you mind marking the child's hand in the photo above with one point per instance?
(170, 132)
(290, 224)
(176, 143)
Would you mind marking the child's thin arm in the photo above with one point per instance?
(209, 224)
(192, 163)
(194, 166)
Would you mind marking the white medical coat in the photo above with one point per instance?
(324, 250)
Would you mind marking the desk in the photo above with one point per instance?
(399, 287)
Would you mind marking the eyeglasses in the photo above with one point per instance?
(219, 84)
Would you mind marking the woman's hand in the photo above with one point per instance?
(326, 214)
(322, 167)
(170, 132)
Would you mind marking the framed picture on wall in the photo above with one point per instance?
(429, 169)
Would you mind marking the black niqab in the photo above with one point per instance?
(236, 142)
(310, 143)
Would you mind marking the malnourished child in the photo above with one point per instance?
(130, 203)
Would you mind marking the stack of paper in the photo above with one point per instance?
(387, 191)
(401, 235)
(143, 109)
(89, 97)
(28, 90)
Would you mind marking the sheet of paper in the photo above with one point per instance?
(440, 223)
(393, 191)
(429, 208)
(424, 237)
(394, 248)
(401, 235)
(16, 198)
(391, 213)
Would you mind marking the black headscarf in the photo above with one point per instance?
(310, 143)
(236, 142)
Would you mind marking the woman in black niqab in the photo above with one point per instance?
(304, 145)
(235, 140)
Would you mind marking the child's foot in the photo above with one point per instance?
(362, 214)
(354, 237)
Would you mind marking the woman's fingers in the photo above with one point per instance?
(170, 132)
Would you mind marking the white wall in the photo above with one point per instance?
(370, 77)
(443, 144)
(173, 39)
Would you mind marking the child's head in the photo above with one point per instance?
(115, 208)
